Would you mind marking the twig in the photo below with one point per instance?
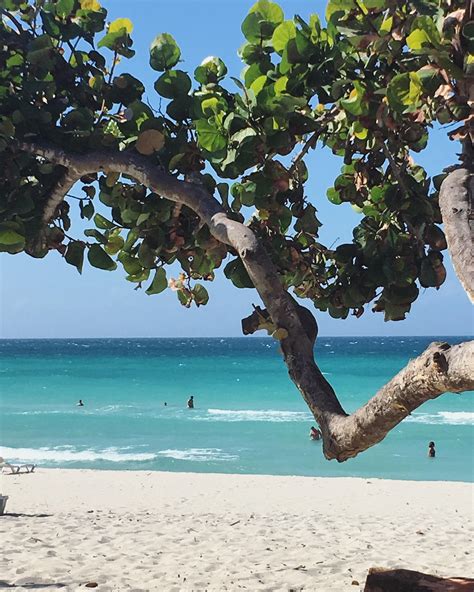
(310, 143)
(13, 19)
(395, 169)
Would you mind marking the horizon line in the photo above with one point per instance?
(233, 337)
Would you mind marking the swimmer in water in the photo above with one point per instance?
(191, 402)
(81, 403)
(431, 450)
(314, 434)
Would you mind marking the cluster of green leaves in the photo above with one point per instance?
(368, 85)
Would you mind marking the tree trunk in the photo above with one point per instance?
(404, 580)
(456, 201)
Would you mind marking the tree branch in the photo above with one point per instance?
(10, 16)
(456, 201)
(438, 370)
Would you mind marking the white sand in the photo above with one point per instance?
(141, 531)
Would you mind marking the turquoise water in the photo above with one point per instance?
(249, 418)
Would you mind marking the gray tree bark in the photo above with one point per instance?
(456, 201)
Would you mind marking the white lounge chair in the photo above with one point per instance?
(15, 469)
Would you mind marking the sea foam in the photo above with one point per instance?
(270, 415)
(63, 454)
(443, 418)
(199, 454)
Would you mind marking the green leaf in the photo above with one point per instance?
(75, 254)
(64, 8)
(282, 35)
(404, 90)
(237, 274)
(102, 222)
(211, 71)
(242, 135)
(200, 295)
(258, 84)
(87, 210)
(7, 128)
(172, 84)
(98, 258)
(395, 312)
(268, 11)
(308, 222)
(131, 264)
(39, 50)
(90, 5)
(120, 25)
(92, 232)
(159, 282)
(280, 85)
(335, 6)
(210, 138)
(423, 34)
(114, 244)
(213, 105)
(261, 21)
(333, 196)
(164, 52)
(355, 103)
(9, 237)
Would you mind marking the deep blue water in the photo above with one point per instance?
(249, 418)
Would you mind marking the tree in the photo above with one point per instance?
(220, 170)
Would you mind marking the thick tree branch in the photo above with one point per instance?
(438, 370)
(456, 201)
(297, 347)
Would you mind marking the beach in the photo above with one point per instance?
(145, 530)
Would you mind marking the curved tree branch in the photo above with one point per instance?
(438, 370)
(456, 201)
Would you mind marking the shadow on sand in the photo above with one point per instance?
(31, 585)
(14, 515)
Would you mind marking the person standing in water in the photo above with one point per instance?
(80, 404)
(191, 402)
(314, 434)
(431, 450)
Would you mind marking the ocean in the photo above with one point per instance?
(248, 416)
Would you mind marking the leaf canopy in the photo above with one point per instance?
(368, 85)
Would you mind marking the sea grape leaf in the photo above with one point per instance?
(99, 258)
(159, 283)
(75, 254)
(164, 52)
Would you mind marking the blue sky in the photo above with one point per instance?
(48, 298)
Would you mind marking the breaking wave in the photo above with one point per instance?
(198, 454)
(443, 418)
(61, 454)
(270, 415)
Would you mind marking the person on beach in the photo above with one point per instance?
(191, 402)
(314, 433)
(431, 450)
(80, 404)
